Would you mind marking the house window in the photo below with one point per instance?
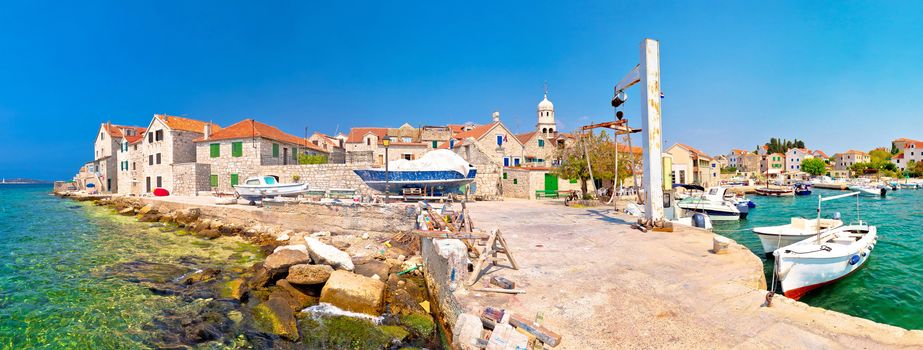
(237, 149)
(158, 135)
(541, 143)
(150, 139)
(101, 136)
(134, 165)
(234, 179)
(368, 141)
(515, 181)
(159, 181)
(158, 159)
(215, 150)
(499, 140)
(506, 161)
(435, 144)
(213, 180)
(148, 181)
(516, 161)
(406, 139)
(275, 150)
(150, 160)
(407, 156)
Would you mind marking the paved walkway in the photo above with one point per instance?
(602, 285)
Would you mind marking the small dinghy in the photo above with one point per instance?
(826, 257)
(258, 187)
(773, 237)
(802, 189)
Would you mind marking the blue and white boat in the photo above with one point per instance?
(713, 203)
(438, 172)
(802, 189)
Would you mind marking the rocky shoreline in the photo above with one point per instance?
(313, 290)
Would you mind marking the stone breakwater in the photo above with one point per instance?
(285, 301)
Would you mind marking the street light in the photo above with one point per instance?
(387, 142)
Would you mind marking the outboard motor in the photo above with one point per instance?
(744, 209)
(698, 220)
(884, 191)
(837, 216)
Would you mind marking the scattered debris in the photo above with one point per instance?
(501, 282)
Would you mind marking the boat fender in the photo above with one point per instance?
(854, 259)
(750, 204)
(863, 254)
(698, 220)
(871, 246)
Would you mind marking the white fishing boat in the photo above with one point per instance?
(713, 203)
(258, 187)
(826, 257)
(908, 185)
(773, 237)
(869, 190)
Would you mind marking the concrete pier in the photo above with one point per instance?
(602, 285)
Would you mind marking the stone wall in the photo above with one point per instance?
(487, 181)
(321, 176)
(225, 164)
(352, 218)
(360, 157)
(519, 183)
(190, 178)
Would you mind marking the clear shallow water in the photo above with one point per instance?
(56, 289)
(889, 288)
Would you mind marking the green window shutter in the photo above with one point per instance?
(275, 150)
(214, 180)
(541, 143)
(573, 181)
(435, 144)
(215, 150)
(237, 149)
(295, 154)
(234, 179)
(504, 176)
(515, 181)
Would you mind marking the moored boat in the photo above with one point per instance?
(802, 189)
(715, 205)
(869, 190)
(773, 237)
(258, 187)
(775, 192)
(826, 257)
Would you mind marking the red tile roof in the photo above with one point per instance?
(249, 128)
(695, 151)
(477, 132)
(738, 152)
(916, 144)
(185, 124)
(523, 138)
(899, 156)
(819, 153)
(357, 134)
(116, 132)
(904, 139)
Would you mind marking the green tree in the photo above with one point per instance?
(859, 168)
(312, 159)
(894, 149)
(880, 155)
(601, 152)
(729, 170)
(814, 166)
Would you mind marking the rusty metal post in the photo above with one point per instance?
(653, 133)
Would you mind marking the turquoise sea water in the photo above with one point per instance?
(889, 288)
(66, 271)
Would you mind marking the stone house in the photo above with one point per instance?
(772, 163)
(794, 157)
(108, 142)
(490, 148)
(366, 145)
(843, 161)
(334, 146)
(129, 158)
(167, 142)
(524, 181)
(241, 150)
(735, 158)
(749, 162)
(537, 149)
(691, 166)
(910, 150)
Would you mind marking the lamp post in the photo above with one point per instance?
(387, 143)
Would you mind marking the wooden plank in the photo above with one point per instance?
(450, 235)
(506, 251)
(542, 333)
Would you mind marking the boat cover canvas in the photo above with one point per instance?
(439, 159)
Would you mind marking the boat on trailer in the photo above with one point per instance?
(436, 173)
(256, 188)
(825, 258)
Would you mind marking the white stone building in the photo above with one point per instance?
(106, 148)
(910, 150)
(168, 142)
(794, 157)
(843, 161)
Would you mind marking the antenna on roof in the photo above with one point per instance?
(546, 88)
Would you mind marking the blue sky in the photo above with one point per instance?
(839, 75)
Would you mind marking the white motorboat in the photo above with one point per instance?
(676, 215)
(869, 190)
(774, 237)
(713, 204)
(258, 187)
(908, 185)
(826, 257)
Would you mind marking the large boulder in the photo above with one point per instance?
(147, 208)
(300, 299)
(308, 274)
(328, 255)
(298, 247)
(283, 259)
(353, 292)
(276, 315)
(234, 289)
(188, 216)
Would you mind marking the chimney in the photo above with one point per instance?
(496, 116)
(207, 130)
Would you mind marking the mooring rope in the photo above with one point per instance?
(772, 291)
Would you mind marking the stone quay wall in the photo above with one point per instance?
(322, 176)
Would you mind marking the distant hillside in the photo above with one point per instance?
(20, 180)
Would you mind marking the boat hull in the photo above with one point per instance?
(771, 241)
(717, 215)
(258, 192)
(774, 192)
(801, 273)
(438, 182)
